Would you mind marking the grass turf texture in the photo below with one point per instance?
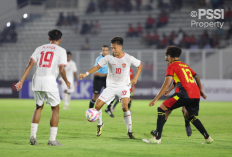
(79, 136)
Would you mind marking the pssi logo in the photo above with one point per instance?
(209, 13)
(124, 92)
(124, 65)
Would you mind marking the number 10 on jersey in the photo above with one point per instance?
(118, 70)
(46, 59)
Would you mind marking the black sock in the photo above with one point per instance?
(91, 104)
(129, 105)
(116, 103)
(160, 123)
(197, 123)
(109, 107)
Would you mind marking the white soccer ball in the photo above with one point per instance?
(91, 115)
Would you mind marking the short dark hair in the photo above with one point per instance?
(55, 34)
(117, 40)
(69, 53)
(173, 51)
(106, 46)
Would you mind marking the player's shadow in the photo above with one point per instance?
(125, 139)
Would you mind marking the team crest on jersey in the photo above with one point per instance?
(124, 65)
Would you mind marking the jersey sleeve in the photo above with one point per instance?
(35, 56)
(193, 72)
(74, 67)
(135, 62)
(170, 71)
(103, 61)
(63, 58)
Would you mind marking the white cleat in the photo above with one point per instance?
(208, 140)
(152, 140)
(66, 108)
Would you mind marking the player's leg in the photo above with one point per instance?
(127, 116)
(105, 98)
(53, 100)
(167, 113)
(108, 109)
(190, 113)
(65, 99)
(187, 123)
(92, 102)
(115, 103)
(39, 99)
(97, 86)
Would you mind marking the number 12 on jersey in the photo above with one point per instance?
(46, 59)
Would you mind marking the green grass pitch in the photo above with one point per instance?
(79, 136)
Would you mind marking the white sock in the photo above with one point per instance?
(128, 121)
(69, 98)
(53, 133)
(99, 117)
(65, 99)
(34, 128)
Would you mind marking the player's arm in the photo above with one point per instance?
(92, 70)
(63, 75)
(75, 76)
(99, 74)
(170, 89)
(19, 85)
(138, 72)
(167, 83)
(197, 78)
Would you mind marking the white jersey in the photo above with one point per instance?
(119, 69)
(70, 69)
(48, 58)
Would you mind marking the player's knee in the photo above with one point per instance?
(187, 115)
(97, 107)
(125, 108)
(56, 108)
(95, 96)
(39, 107)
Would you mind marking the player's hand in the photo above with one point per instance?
(19, 86)
(68, 84)
(81, 76)
(203, 95)
(166, 93)
(152, 103)
(133, 82)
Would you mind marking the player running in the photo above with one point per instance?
(71, 72)
(188, 95)
(131, 94)
(118, 81)
(99, 80)
(168, 112)
(50, 60)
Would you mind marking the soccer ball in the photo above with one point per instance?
(91, 115)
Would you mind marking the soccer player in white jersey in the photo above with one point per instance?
(71, 72)
(118, 81)
(50, 60)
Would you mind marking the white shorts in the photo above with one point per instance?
(109, 94)
(64, 87)
(52, 98)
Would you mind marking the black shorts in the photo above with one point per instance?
(191, 105)
(98, 84)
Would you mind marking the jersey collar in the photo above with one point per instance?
(121, 57)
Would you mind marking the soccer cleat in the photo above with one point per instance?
(130, 135)
(109, 112)
(54, 143)
(99, 129)
(153, 133)
(152, 140)
(208, 140)
(33, 141)
(188, 130)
